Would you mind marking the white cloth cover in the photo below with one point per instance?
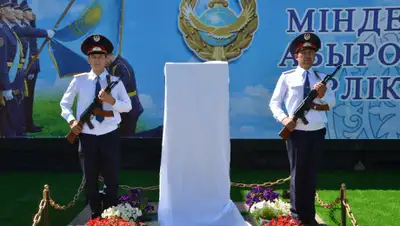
(194, 174)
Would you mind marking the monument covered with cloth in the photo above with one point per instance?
(194, 175)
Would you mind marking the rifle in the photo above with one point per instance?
(304, 107)
(93, 109)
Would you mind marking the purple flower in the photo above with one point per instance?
(124, 198)
(136, 198)
(258, 194)
(149, 208)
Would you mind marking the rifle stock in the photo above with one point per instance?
(72, 137)
(285, 133)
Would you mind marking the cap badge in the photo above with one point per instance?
(307, 36)
(96, 38)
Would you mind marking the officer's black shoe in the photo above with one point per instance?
(312, 223)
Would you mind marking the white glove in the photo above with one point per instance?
(50, 33)
(31, 76)
(8, 94)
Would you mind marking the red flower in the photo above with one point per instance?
(112, 221)
(284, 221)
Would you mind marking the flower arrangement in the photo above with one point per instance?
(283, 221)
(124, 211)
(266, 206)
(121, 215)
(258, 194)
(136, 199)
(133, 210)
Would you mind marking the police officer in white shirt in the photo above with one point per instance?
(101, 144)
(305, 143)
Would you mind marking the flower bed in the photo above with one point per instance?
(133, 210)
(267, 207)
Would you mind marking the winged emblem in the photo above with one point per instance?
(222, 32)
(210, 41)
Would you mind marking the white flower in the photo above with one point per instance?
(124, 211)
(275, 208)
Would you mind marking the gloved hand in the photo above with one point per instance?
(31, 76)
(50, 33)
(8, 95)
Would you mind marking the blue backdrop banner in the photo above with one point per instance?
(253, 35)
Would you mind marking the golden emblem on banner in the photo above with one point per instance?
(218, 33)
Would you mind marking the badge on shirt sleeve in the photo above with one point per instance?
(1, 41)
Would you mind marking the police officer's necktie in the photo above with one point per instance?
(98, 88)
(306, 85)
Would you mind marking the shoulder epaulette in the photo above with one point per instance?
(79, 75)
(290, 71)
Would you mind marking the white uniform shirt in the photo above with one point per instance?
(84, 85)
(290, 88)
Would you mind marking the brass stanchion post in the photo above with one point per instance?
(46, 197)
(342, 201)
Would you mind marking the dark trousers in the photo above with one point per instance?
(16, 114)
(304, 151)
(102, 155)
(81, 157)
(128, 125)
(29, 102)
(6, 129)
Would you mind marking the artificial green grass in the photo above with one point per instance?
(374, 197)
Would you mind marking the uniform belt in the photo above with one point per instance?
(9, 64)
(132, 94)
(34, 56)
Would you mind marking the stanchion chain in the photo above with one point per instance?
(349, 213)
(38, 215)
(128, 188)
(265, 184)
(234, 184)
(62, 207)
(150, 188)
(327, 205)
